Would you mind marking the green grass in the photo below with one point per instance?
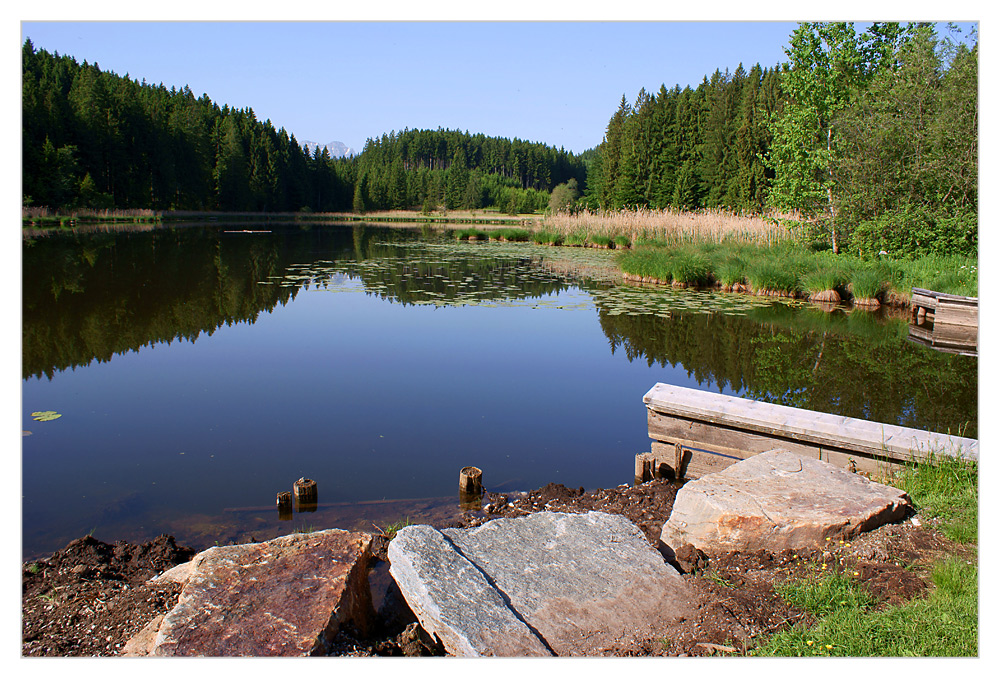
(945, 623)
(774, 275)
(691, 267)
(390, 529)
(826, 276)
(731, 271)
(623, 242)
(947, 492)
(791, 268)
(470, 233)
(516, 235)
(868, 282)
(602, 241)
(575, 239)
(547, 238)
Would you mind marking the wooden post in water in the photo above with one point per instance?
(306, 495)
(284, 506)
(470, 480)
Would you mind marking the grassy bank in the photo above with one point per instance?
(849, 621)
(793, 270)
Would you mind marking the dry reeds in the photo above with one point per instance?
(671, 226)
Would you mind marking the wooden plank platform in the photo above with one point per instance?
(946, 309)
(695, 432)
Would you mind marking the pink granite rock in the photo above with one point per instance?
(285, 597)
(778, 500)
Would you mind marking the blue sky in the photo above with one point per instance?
(557, 83)
(552, 82)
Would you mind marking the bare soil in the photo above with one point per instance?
(89, 598)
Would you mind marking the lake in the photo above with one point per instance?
(199, 372)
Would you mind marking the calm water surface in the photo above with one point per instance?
(200, 372)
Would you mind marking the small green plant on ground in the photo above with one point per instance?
(717, 578)
(575, 239)
(390, 529)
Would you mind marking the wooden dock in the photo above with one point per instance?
(697, 432)
(948, 323)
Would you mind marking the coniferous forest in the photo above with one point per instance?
(870, 139)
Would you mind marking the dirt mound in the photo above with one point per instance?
(90, 597)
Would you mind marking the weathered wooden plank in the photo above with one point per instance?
(692, 459)
(953, 314)
(735, 419)
(923, 301)
(963, 335)
(921, 333)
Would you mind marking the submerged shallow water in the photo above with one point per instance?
(198, 373)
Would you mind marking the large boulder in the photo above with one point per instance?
(778, 500)
(580, 584)
(285, 597)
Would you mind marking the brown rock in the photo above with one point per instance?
(778, 500)
(285, 597)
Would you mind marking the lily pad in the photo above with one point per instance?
(45, 415)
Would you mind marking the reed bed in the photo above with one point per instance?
(44, 214)
(669, 227)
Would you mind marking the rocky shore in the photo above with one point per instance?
(91, 598)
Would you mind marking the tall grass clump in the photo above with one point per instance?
(646, 262)
(773, 276)
(689, 267)
(547, 237)
(470, 234)
(575, 240)
(731, 273)
(509, 234)
(868, 284)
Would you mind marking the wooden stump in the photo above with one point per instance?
(284, 506)
(470, 502)
(306, 495)
(470, 480)
(648, 467)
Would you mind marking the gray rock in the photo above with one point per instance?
(454, 601)
(285, 597)
(586, 584)
(777, 500)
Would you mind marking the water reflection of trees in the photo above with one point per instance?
(89, 297)
(847, 364)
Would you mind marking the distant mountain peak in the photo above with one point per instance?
(336, 149)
